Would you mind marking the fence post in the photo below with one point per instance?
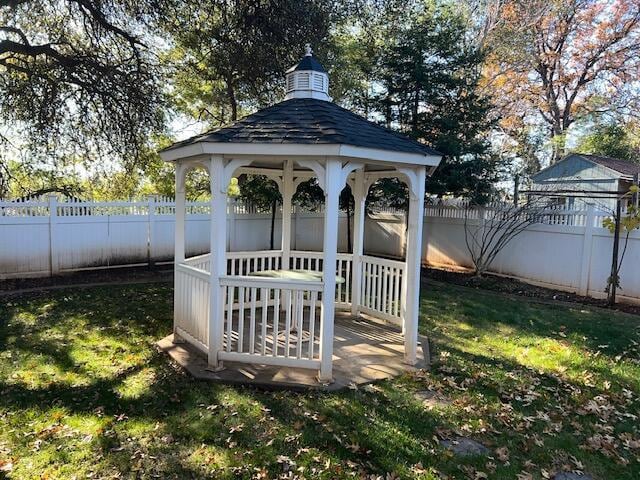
(150, 229)
(587, 247)
(54, 261)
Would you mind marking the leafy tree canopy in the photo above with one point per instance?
(430, 73)
(79, 78)
(616, 140)
(230, 56)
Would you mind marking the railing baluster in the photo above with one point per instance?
(229, 297)
(300, 321)
(312, 322)
(396, 292)
(384, 288)
(378, 286)
(263, 340)
(339, 297)
(348, 282)
(276, 319)
(287, 323)
(241, 294)
(252, 321)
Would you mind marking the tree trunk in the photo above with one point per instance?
(558, 143)
(274, 205)
(614, 279)
(233, 103)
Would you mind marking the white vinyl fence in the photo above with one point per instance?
(570, 251)
(45, 236)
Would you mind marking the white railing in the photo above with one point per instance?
(245, 263)
(343, 290)
(201, 262)
(303, 260)
(191, 308)
(381, 288)
(271, 322)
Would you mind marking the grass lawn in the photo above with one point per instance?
(83, 393)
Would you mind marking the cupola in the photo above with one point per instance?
(307, 79)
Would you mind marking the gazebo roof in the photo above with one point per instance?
(310, 121)
(307, 63)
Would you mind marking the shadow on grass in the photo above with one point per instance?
(380, 430)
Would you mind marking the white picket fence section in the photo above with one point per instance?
(191, 305)
(381, 288)
(271, 322)
(570, 251)
(45, 236)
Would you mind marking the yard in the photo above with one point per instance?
(545, 387)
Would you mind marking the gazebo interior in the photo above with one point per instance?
(287, 317)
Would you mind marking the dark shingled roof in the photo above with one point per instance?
(310, 121)
(308, 62)
(625, 167)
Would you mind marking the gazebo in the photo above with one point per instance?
(277, 307)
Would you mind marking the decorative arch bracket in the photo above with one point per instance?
(317, 168)
(348, 169)
(412, 179)
(183, 167)
(229, 169)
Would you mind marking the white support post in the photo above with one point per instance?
(179, 251)
(218, 259)
(287, 195)
(54, 259)
(587, 248)
(232, 242)
(332, 188)
(359, 197)
(413, 263)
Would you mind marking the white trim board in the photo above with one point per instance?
(298, 150)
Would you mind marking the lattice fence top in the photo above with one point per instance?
(161, 205)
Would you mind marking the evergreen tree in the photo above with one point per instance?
(430, 73)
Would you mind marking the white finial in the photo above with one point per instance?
(308, 51)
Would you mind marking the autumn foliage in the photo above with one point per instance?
(553, 63)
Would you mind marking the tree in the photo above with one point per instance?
(431, 73)
(619, 223)
(487, 231)
(553, 63)
(263, 193)
(612, 140)
(78, 78)
(231, 55)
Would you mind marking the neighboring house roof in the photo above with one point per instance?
(310, 121)
(618, 167)
(625, 167)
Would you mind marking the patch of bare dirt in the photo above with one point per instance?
(89, 277)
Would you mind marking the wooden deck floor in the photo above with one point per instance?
(364, 351)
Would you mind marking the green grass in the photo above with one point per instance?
(83, 393)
